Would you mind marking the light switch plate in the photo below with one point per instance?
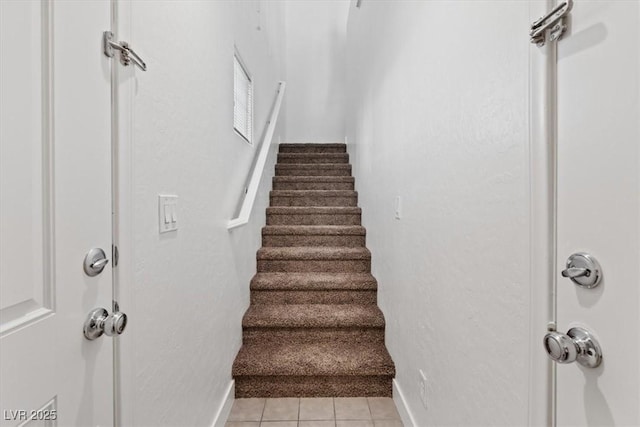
(167, 213)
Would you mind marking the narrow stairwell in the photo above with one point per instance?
(313, 327)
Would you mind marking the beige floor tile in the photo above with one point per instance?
(281, 409)
(354, 423)
(387, 423)
(352, 408)
(318, 408)
(279, 424)
(247, 410)
(383, 408)
(316, 423)
(242, 424)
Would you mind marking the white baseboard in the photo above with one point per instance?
(225, 406)
(403, 408)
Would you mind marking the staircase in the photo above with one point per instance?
(313, 327)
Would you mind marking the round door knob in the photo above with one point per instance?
(101, 322)
(577, 344)
(115, 324)
(560, 347)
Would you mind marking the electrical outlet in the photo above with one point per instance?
(423, 389)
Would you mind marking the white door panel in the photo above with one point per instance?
(599, 207)
(55, 203)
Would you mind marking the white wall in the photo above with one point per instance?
(191, 288)
(438, 107)
(316, 70)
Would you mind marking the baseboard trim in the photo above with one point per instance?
(403, 407)
(225, 406)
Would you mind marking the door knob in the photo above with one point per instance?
(583, 270)
(577, 344)
(101, 322)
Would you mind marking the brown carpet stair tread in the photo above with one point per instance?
(310, 178)
(314, 281)
(315, 158)
(326, 182)
(306, 230)
(314, 359)
(313, 148)
(316, 193)
(313, 316)
(313, 253)
(313, 166)
(313, 210)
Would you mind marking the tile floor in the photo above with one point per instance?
(315, 412)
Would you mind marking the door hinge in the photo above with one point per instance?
(127, 55)
(554, 21)
(115, 255)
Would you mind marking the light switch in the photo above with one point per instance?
(167, 213)
(174, 214)
(397, 205)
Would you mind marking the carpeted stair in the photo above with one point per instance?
(313, 327)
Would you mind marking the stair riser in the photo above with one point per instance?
(315, 240)
(319, 171)
(313, 386)
(306, 266)
(313, 297)
(314, 201)
(314, 219)
(312, 335)
(312, 185)
(313, 158)
(308, 149)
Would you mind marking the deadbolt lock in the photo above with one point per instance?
(583, 270)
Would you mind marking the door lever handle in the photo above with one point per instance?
(576, 272)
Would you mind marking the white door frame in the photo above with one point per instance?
(123, 85)
(542, 178)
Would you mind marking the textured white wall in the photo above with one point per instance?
(438, 107)
(316, 70)
(192, 287)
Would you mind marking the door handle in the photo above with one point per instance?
(577, 345)
(101, 322)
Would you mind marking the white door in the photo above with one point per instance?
(55, 195)
(598, 196)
